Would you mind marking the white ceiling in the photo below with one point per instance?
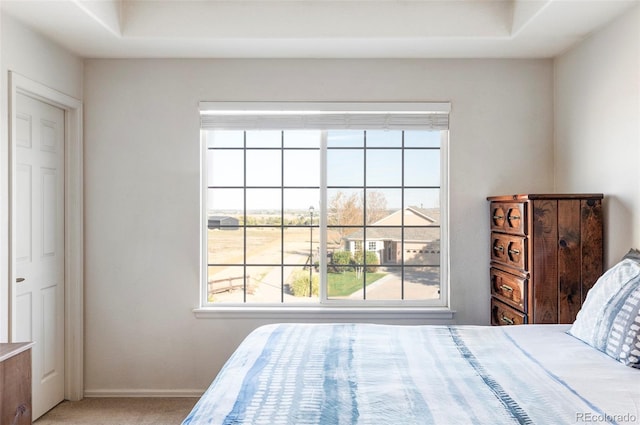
(316, 28)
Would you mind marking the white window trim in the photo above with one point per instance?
(324, 312)
(326, 308)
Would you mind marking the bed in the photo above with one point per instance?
(390, 374)
(309, 374)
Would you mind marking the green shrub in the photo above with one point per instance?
(300, 284)
(342, 258)
(372, 260)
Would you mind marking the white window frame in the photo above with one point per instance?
(406, 309)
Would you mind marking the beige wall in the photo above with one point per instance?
(142, 190)
(597, 127)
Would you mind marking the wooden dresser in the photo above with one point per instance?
(546, 253)
(15, 384)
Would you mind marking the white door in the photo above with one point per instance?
(38, 246)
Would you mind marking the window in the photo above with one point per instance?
(290, 199)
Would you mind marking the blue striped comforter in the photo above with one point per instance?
(379, 374)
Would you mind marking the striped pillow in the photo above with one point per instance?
(609, 319)
(623, 342)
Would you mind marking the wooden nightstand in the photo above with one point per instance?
(15, 384)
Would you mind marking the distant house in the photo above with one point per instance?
(223, 222)
(385, 237)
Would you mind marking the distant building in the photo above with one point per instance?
(223, 222)
(384, 237)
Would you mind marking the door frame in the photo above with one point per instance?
(73, 223)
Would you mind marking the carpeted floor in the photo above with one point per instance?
(119, 411)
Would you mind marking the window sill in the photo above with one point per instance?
(440, 315)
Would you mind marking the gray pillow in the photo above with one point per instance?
(633, 254)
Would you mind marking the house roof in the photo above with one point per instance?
(411, 234)
(221, 217)
(428, 230)
(429, 215)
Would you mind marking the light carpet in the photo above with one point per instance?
(119, 411)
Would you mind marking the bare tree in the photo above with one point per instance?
(376, 206)
(347, 210)
(344, 210)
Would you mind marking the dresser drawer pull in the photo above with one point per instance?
(506, 288)
(499, 248)
(498, 217)
(514, 217)
(507, 320)
(514, 251)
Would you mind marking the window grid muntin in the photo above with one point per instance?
(365, 188)
(245, 188)
(324, 187)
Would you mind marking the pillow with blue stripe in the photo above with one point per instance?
(609, 319)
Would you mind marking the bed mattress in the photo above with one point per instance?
(386, 374)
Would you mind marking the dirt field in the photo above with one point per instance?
(263, 259)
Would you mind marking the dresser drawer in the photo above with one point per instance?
(509, 250)
(509, 217)
(502, 314)
(509, 288)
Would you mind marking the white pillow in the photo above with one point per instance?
(608, 319)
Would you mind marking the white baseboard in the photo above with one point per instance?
(142, 393)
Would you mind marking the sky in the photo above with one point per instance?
(302, 165)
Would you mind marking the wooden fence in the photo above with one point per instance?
(229, 284)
